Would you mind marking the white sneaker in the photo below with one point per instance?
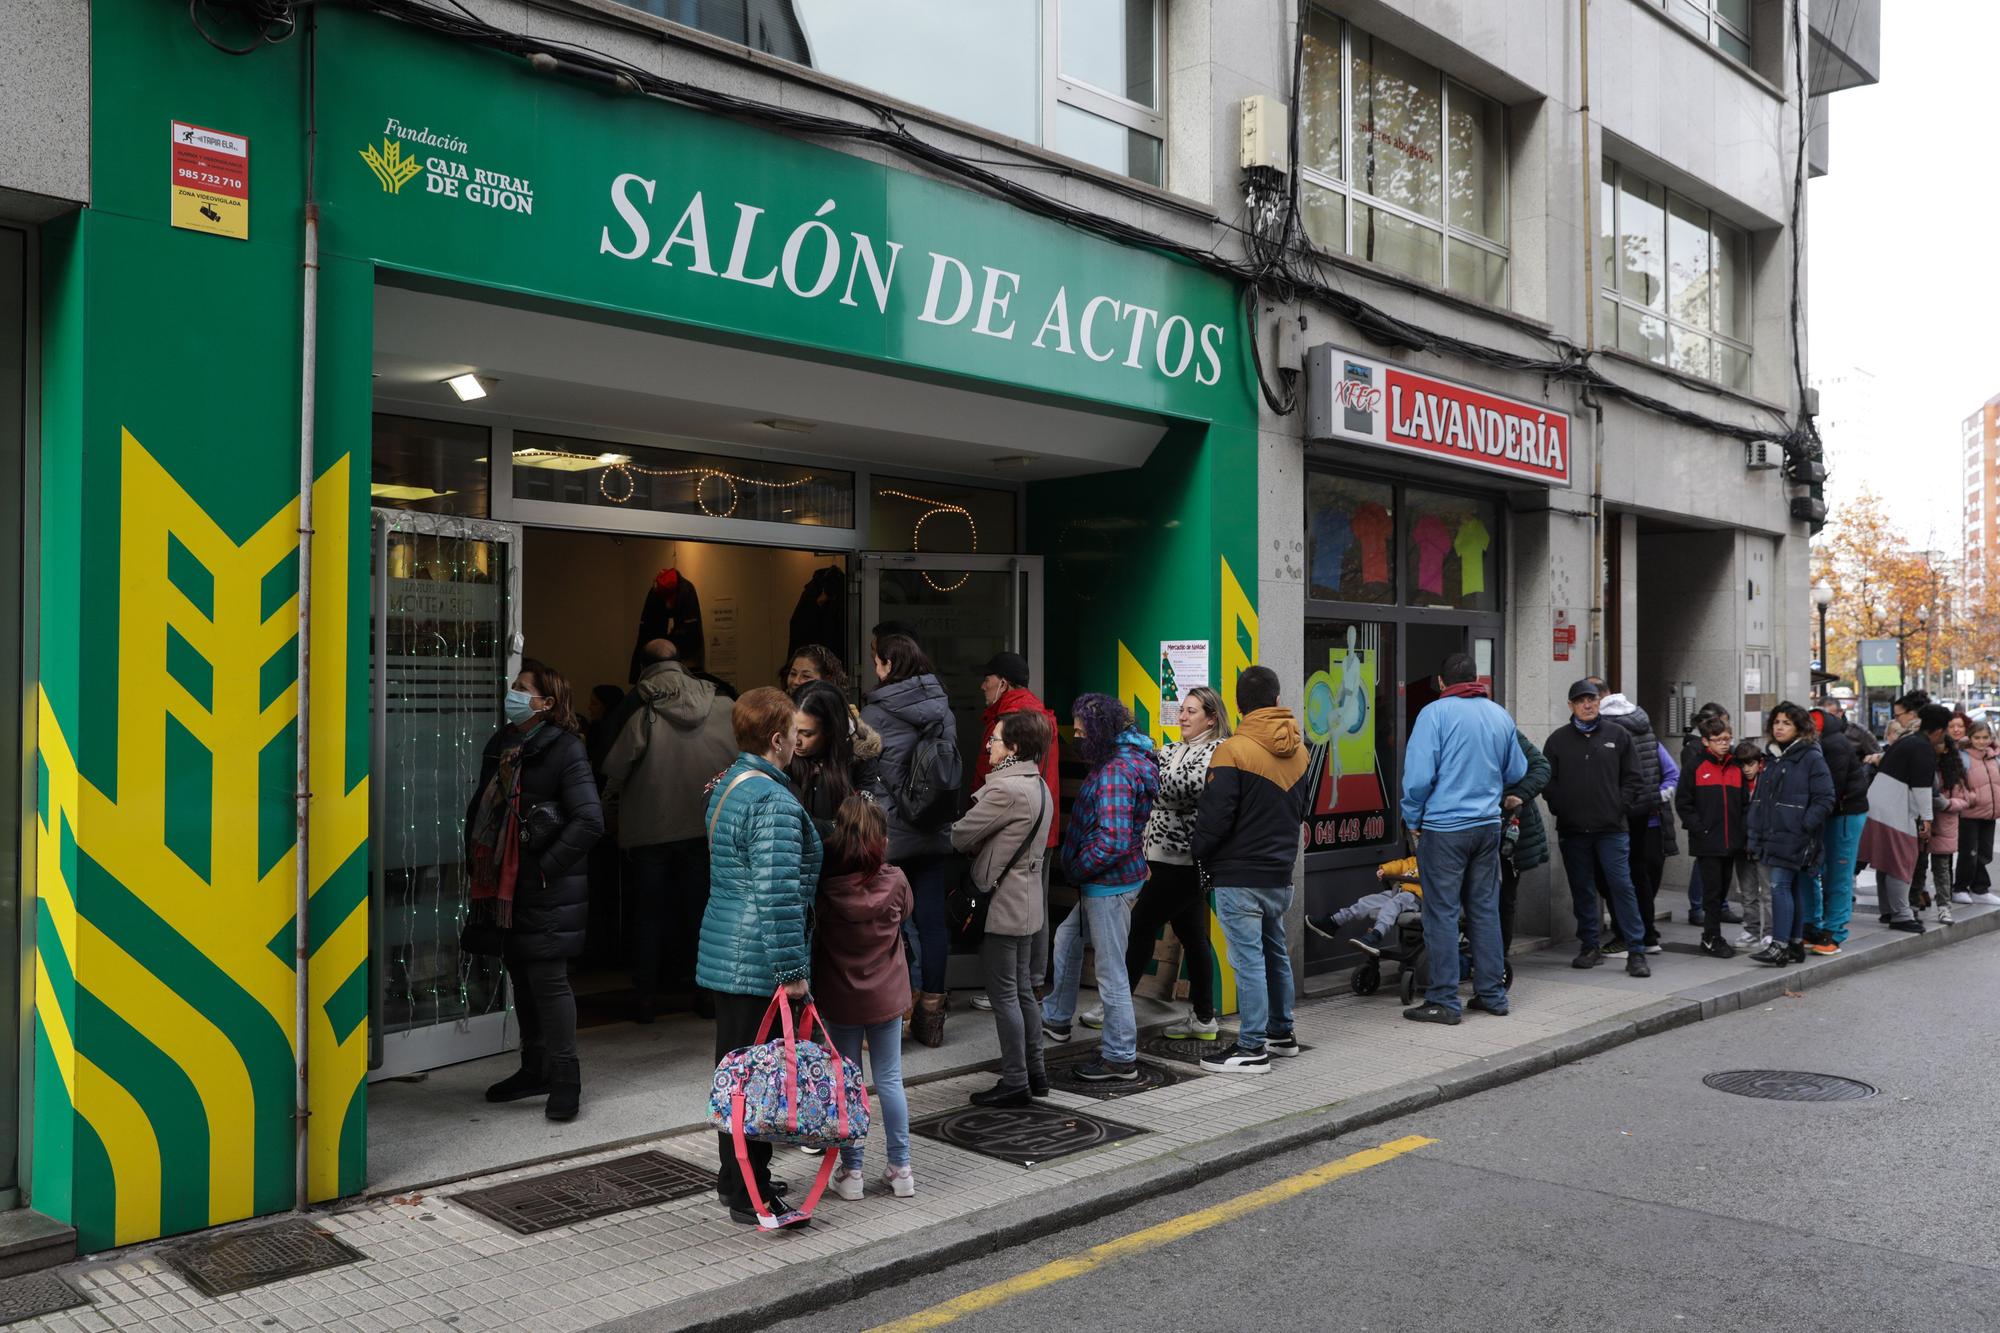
(1960, 896)
(850, 1184)
(1990, 899)
(1745, 939)
(1092, 1017)
(982, 1001)
(1944, 915)
(1188, 1026)
(901, 1181)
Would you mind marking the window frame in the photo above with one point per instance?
(1718, 26)
(1442, 226)
(1060, 90)
(1611, 178)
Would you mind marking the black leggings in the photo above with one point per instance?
(1648, 861)
(545, 1007)
(1173, 896)
(1975, 853)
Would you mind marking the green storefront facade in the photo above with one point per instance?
(163, 1080)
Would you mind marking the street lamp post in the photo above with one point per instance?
(1822, 595)
(1923, 623)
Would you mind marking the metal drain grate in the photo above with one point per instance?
(584, 1192)
(1191, 1050)
(1152, 1075)
(1790, 1085)
(34, 1294)
(1023, 1135)
(253, 1257)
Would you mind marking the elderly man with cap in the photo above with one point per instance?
(1003, 682)
(1594, 786)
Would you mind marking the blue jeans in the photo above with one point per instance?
(1460, 871)
(1253, 922)
(1788, 913)
(885, 1067)
(1587, 857)
(930, 885)
(1105, 922)
(1841, 842)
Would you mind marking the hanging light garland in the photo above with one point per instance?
(621, 473)
(938, 508)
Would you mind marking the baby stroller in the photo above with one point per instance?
(1412, 960)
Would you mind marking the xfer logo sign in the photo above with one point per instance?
(390, 166)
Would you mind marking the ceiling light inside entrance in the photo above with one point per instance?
(467, 387)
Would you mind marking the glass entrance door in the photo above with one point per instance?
(447, 637)
(964, 609)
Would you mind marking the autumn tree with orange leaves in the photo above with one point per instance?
(1883, 588)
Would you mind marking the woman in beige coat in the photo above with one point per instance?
(1006, 832)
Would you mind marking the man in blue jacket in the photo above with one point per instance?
(1462, 757)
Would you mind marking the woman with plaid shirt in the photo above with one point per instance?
(1104, 856)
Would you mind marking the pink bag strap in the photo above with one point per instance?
(766, 1220)
(808, 1017)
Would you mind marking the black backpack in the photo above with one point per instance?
(927, 797)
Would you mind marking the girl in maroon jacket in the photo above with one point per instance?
(861, 982)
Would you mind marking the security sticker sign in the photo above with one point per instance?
(211, 181)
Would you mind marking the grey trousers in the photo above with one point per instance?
(1895, 896)
(1009, 962)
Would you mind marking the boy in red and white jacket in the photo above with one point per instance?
(1713, 800)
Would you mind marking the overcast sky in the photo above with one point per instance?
(1899, 283)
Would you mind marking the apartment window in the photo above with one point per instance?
(1401, 165)
(1079, 76)
(1725, 24)
(1675, 280)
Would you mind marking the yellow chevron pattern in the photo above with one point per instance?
(178, 953)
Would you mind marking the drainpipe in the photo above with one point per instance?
(1597, 655)
(302, 817)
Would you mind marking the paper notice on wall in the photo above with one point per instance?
(724, 654)
(1183, 667)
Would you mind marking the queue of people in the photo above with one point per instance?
(790, 841)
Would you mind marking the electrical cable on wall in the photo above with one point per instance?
(1280, 263)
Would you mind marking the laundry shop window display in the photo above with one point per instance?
(604, 474)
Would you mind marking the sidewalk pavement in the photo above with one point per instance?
(432, 1263)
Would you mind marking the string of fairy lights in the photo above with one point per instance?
(938, 509)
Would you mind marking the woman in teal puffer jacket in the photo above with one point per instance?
(764, 859)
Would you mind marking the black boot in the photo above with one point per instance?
(1000, 1095)
(523, 1082)
(564, 1099)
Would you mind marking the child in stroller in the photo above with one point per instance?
(1401, 892)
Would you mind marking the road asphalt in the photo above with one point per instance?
(1619, 1191)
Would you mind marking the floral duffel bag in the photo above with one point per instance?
(792, 1090)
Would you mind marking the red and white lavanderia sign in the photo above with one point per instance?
(1352, 397)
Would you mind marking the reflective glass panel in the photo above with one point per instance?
(1351, 531)
(906, 515)
(1397, 135)
(1398, 243)
(1109, 44)
(1453, 541)
(670, 481)
(1107, 144)
(1478, 164)
(439, 466)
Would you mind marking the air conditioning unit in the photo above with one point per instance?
(1763, 455)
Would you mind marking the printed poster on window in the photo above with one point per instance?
(1350, 800)
(1183, 667)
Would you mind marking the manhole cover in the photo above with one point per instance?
(1191, 1050)
(253, 1257)
(1023, 1135)
(584, 1192)
(34, 1294)
(1152, 1075)
(1790, 1085)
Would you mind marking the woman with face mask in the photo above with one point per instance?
(529, 830)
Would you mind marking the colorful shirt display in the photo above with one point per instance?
(1372, 527)
(1473, 539)
(1332, 534)
(1432, 541)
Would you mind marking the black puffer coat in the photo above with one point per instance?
(1843, 761)
(552, 892)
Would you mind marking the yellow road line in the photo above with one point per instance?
(1165, 1233)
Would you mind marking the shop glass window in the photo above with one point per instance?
(1349, 712)
(1042, 71)
(437, 466)
(1450, 549)
(1724, 24)
(930, 516)
(1351, 539)
(1401, 166)
(1676, 280)
(566, 470)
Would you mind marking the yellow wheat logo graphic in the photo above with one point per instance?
(390, 166)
